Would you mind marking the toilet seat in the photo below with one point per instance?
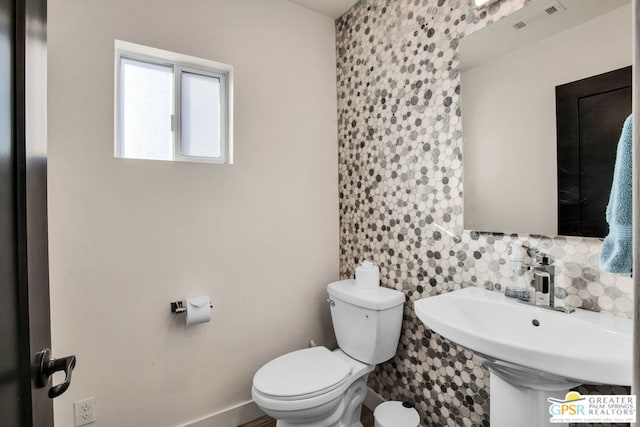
(302, 374)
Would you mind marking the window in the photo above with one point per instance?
(171, 106)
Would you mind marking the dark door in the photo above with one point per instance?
(25, 392)
(590, 114)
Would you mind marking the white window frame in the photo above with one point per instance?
(180, 64)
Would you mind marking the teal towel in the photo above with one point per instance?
(616, 254)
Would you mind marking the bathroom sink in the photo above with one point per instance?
(581, 347)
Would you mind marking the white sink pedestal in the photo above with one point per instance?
(518, 396)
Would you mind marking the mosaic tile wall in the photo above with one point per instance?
(400, 166)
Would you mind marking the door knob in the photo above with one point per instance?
(46, 366)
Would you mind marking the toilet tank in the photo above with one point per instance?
(366, 321)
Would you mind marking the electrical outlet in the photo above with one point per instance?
(84, 411)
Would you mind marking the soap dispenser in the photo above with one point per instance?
(517, 287)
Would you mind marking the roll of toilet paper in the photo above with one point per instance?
(367, 275)
(198, 310)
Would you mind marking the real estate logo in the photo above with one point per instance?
(576, 408)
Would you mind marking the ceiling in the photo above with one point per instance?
(501, 37)
(331, 8)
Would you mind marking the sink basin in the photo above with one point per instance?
(532, 353)
(584, 346)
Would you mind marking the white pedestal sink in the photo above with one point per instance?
(532, 353)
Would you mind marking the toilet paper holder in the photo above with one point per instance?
(178, 307)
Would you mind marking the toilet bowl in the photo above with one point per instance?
(312, 387)
(317, 387)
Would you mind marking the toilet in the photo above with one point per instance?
(317, 387)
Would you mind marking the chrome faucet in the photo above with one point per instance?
(544, 280)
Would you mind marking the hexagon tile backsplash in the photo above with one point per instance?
(400, 172)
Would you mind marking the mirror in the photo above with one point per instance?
(510, 71)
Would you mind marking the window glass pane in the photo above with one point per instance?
(200, 120)
(146, 108)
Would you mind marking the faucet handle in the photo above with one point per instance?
(537, 259)
(540, 257)
(544, 259)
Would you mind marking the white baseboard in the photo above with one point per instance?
(372, 400)
(249, 411)
(234, 416)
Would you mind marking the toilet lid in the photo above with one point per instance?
(302, 374)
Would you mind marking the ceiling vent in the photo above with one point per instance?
(553, 9)
(519, 25)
